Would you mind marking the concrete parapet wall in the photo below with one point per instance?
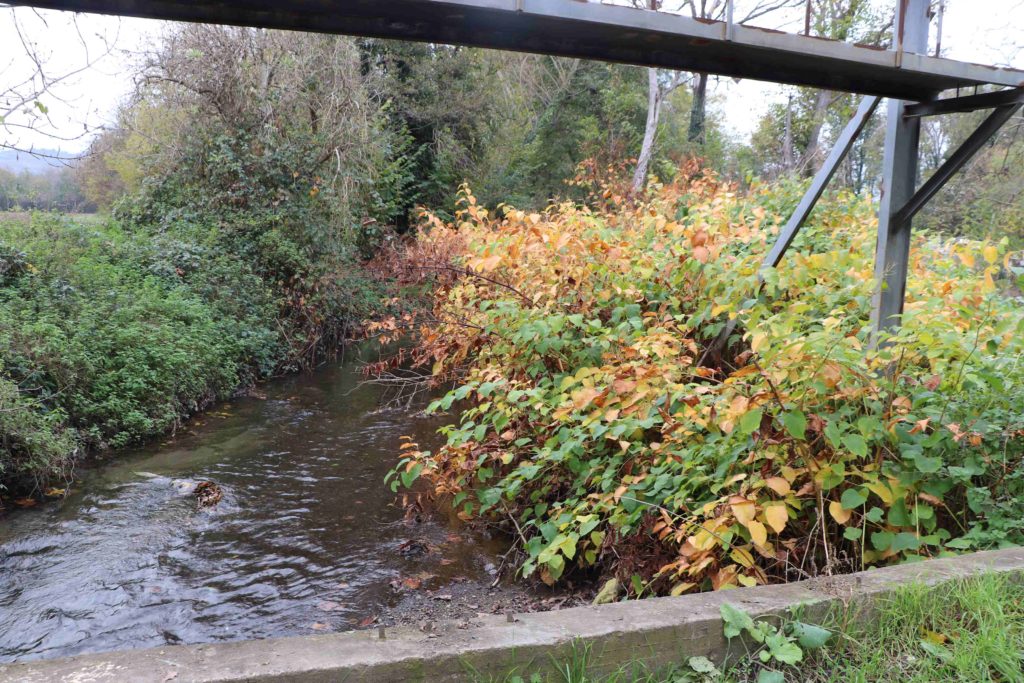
(659, 631)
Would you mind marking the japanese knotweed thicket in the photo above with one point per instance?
(601, 434)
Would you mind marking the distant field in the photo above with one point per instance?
(25, 216)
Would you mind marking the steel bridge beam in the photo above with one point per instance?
(899, 176)
(592, 30)
(953, 105)
(821, 180)
(989, 127)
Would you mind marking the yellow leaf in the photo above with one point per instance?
(990, 253)
(681, 588)
(882, 491)
(747, 581)
(838, 513)
(778, 484)
(744, 512)
(758, 534)
(776, 516)
(742, 557)
(990, 285)
(703, 540)
(967, 257)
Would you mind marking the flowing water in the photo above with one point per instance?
(307, 537)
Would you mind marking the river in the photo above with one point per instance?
(306, 539)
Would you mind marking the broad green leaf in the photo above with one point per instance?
(809, 635)
(702, 665)
(795, 423)
(855, 444)
(853, 499)
(882, 540)
(736, 620)
(751, 420)
(927, 465)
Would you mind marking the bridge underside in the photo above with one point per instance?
(573, 28)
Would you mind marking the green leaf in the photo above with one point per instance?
(796, 424)
(834, 434)
(855, 444)
(751, 421)
(853, 499)
(882, 540)
(702, 665)
(736, 620)
(905, 541)
(809, 635)
(927, 465)
(770, 676)
(783, 649)
(556, 565)
(852, 533)
(411, 475)
(936, 650)
(898, 514)
(568, 546)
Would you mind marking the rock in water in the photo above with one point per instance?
(608, 593)
(184, 487)
(208, 494)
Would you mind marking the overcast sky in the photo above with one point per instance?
(983, 31)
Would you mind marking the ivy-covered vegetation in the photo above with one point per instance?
(603, 432)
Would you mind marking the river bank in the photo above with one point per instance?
(112, 334)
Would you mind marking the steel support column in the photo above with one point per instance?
(899, 176)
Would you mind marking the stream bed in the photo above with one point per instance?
(306, 539)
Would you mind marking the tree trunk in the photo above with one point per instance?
(650, 130)
(812, 158)
(697, 110)
(787, 139)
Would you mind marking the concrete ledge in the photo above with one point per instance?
(659, 631)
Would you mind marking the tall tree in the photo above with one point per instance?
(660, 86)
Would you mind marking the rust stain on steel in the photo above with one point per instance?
(901, 29)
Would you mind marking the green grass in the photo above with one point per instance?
(969, 630)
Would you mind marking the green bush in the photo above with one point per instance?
(109, 335)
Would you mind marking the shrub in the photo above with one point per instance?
(602, 434)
